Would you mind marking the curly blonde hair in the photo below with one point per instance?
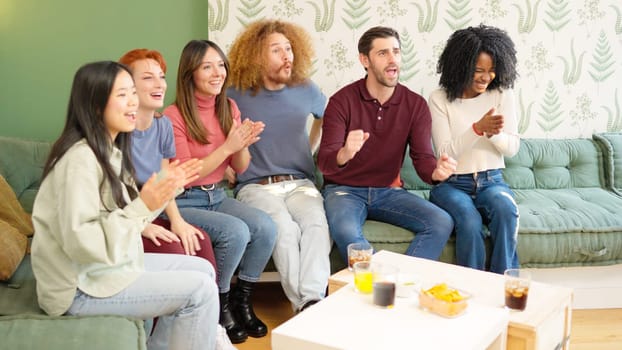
(247, 58)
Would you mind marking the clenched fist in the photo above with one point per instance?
(354, 142)
(445, 167)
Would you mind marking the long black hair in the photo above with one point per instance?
(92, 85)
(459, 58)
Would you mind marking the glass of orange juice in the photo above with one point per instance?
(363, 277)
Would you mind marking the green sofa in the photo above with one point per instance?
(569, 194)
(569, 198)
(23, 325)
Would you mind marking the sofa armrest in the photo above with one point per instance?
(611, 145)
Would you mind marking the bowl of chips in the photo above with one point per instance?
(444, 300)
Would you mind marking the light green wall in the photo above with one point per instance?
(43, 42)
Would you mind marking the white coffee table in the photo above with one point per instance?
(544, 324)
(348, 320)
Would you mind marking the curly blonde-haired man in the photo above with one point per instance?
(271, 62)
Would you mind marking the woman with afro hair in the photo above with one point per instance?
(474, 121)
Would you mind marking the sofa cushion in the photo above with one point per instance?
(15, 225)
(11, 210)
(567, 215)
(568, 210)
(24, 175)
(555, 164)
(570, 249)
(71, 332)
(611, 144)
(559, 188)
(12, 249)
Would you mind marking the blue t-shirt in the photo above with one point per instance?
(284, 144)
(150, 146)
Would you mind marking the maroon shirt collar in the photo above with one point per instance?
(366, 96)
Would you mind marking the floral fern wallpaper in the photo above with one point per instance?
(569, 51)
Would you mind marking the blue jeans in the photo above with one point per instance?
(348, 207)
(242, 236)
(476, 199)
(178, 289)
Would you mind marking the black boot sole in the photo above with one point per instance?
(257, 335)
(238, 340)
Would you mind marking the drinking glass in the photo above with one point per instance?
(517, 283)
(363, 276)
(385, 279)
(360, 251)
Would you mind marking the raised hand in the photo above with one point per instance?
(445, 167)
(354, 142)
(256, 129)
(239, 137)
(490, 124)
(190, 169)
(160, 189)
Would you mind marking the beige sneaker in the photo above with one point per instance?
(222, 340)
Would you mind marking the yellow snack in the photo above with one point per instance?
(443, 300)
(443, 292)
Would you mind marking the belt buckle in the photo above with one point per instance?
(280, 178)
(209, 188)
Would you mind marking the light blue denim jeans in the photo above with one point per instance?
(178, 289)
(476, 199)
(241, 235)
(301, 254)
(348, 207)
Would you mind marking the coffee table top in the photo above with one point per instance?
(486, 288)
(348, 320)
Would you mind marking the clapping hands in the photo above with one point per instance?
(490, 124)
(162, 187)
(244, 135)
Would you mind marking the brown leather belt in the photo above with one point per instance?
(277, 178)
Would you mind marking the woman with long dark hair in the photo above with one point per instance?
(207, 125)
(87, 253)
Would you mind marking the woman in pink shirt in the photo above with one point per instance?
(207, 126)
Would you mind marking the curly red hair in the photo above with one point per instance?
(247, 58)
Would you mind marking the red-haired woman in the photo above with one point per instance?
(152, 147)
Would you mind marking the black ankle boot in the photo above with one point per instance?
(243, 310)
(235, 331)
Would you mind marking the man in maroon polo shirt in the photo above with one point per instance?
(368, 125)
